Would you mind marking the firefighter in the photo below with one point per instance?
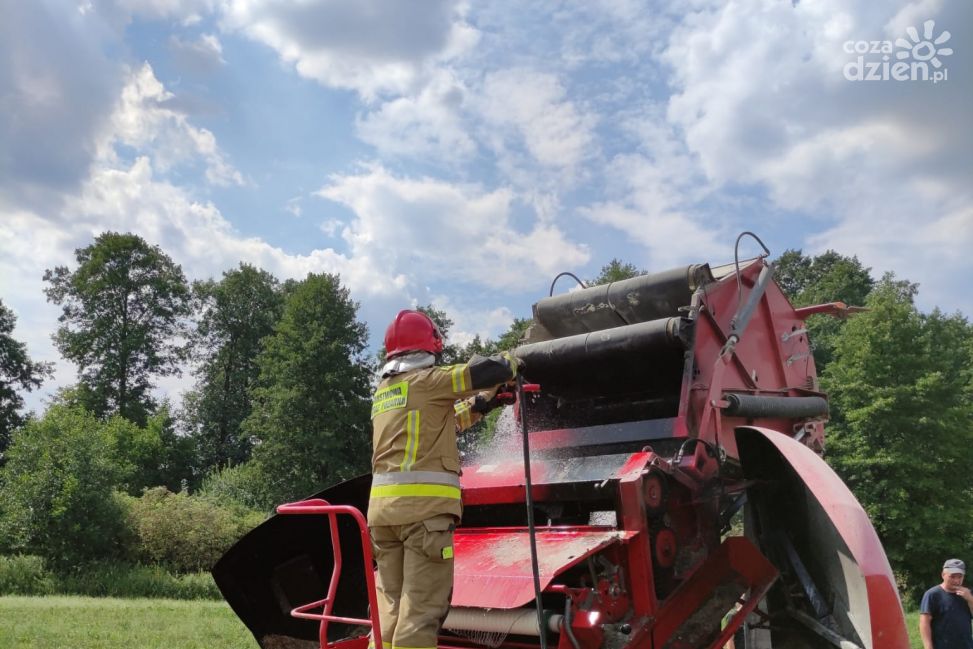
(414, 504)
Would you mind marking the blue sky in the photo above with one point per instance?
(462, 154)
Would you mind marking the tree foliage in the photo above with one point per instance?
(828, 277)
(237, 313)
(451, 352)
(615, 271)
(56, 488)
(311, 406)
(155, 454)
(122, 315)
(17, 370)
(901, 434)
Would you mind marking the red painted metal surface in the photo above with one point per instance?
(737, 565)
(492, 565)
(322, 507)
(852, 524)
(361, 642)
(767, 360)
(639, 550)
(503, 482)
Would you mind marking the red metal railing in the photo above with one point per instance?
(322, 507)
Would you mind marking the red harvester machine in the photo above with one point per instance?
(679, 496)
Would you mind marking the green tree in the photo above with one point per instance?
(615, 271)
(238, 312)
(828, 277)
(508, 340)
(56, 489)
(122, 314)
(152, 455)
(16, 370)
(901, 434)
(451, 352)
(311, 406)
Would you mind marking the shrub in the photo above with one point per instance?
(116, 579)
(24, 574)
(237, 486)
(184, 532)
(56, 489)
(27, 575)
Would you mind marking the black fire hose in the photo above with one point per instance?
(542, 631)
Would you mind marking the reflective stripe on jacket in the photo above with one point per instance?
(415, 418)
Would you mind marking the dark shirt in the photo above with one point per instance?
(951, 619)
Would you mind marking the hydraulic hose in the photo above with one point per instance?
(531, 530)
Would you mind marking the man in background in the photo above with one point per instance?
(947, 611)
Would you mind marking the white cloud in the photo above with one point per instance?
(441, 232)
(671, 238)
(610, 31)
(762, 100)
(371, 47)
(407, 236)
(143, 120)
(926, 239)
(655, 194)
(294, 206)
(332, 227)
(534, 108)
(204, 54)
(470, 321)
(187, 12)
(195, 232)
(429, 125)
(56, 90)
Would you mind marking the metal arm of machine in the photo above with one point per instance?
(742, 317)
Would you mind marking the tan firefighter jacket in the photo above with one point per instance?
(415, 418)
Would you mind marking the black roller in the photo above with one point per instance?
(630, 301)
(757, 406)
(647, 356)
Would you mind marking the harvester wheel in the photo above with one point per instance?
(655, 490)
(664, 548)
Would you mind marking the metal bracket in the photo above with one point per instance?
(784, 337)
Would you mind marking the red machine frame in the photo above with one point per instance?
(317, 506)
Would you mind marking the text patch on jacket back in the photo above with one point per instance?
(391, 397)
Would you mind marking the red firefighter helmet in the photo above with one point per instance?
(412, 331)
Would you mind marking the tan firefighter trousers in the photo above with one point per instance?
(415, 580)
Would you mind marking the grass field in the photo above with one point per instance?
(96, 623)
(912, 623)
(104, 623)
